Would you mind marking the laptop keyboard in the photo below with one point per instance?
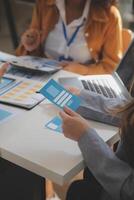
(101, 87)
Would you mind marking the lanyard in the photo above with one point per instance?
(72, 38)
(69, 41)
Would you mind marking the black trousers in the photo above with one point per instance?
(17, 183)
(86, 189)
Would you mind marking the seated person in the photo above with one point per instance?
(109, 175)
(85, 34)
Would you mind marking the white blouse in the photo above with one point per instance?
(56, 44)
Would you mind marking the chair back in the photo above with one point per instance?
(127, 36)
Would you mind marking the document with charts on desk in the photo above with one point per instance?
(20, 92)
(33, 63)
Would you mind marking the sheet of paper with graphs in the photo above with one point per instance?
(31, 62)
(20, 92)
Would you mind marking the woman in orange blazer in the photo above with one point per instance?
(97, 45)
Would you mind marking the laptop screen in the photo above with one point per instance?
(125, 69)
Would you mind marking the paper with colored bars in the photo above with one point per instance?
(59, 96)
(20, 92)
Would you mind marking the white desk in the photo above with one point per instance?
(25, 142)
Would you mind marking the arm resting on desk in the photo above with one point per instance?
(97, 107)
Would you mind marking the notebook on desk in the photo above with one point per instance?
(20, 92)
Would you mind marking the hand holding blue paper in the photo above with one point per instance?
(59, 96)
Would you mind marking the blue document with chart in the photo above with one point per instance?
(59, 96)
(4, 114)
(55, 124)
(31, 62)
(5, 81)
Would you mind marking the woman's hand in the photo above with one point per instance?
(74, 90)
(74, 126)
(76, 68)
(3, 69)
(31, 39)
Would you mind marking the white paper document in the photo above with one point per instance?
(31, 62)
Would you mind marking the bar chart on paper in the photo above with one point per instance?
(21, 93)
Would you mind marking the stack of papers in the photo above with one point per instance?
(20, 92)
(31, 62)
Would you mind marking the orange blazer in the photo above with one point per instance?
(103, 33)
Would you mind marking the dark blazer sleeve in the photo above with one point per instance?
(99, 108)
(115, 176)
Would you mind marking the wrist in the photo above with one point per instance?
(82, 135)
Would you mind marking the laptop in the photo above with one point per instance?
(110, 85)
